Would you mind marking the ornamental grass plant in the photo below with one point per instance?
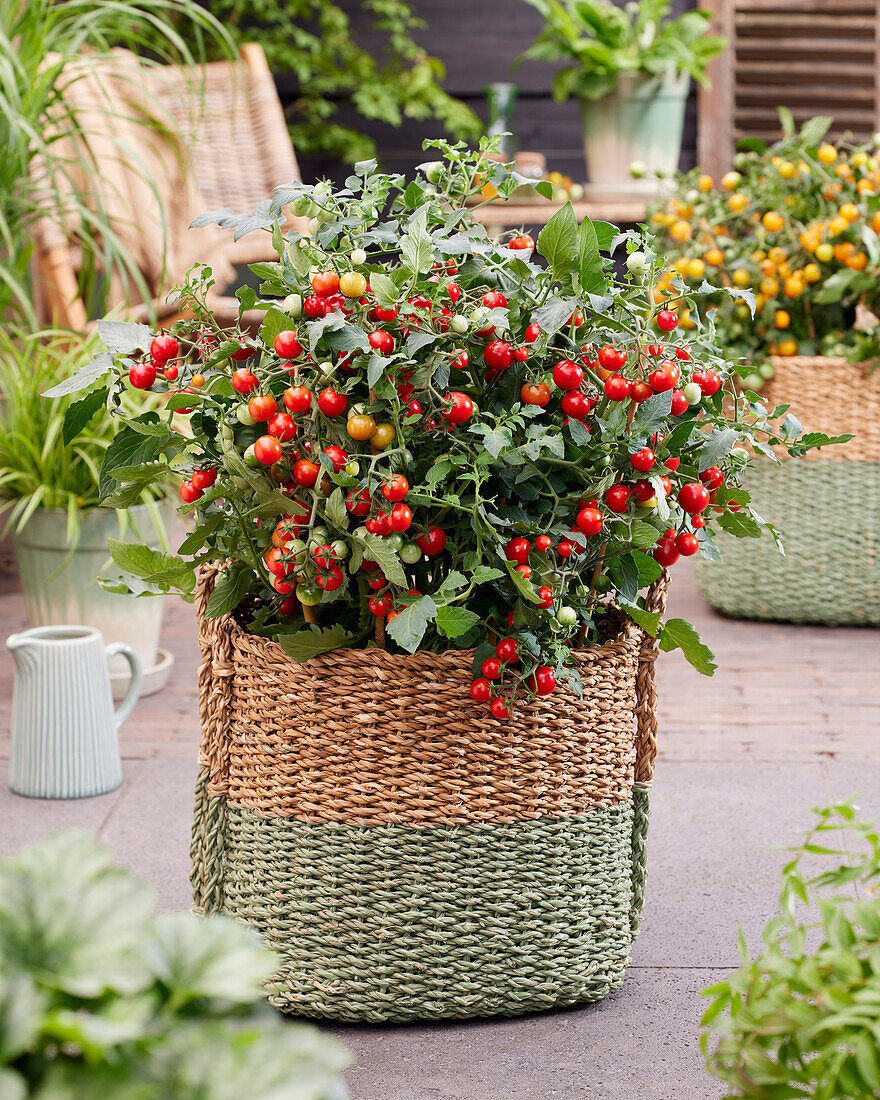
(793, 226)
(436, 440)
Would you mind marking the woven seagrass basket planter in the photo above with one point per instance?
(407, 855)
(826, 509)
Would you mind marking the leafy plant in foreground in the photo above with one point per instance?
(434, 440)
(802, 1018)
(102, 999)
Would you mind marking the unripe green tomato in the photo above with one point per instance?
(603, 584)
(322, 187)
(433, 171)
(250, 459)
(308, 594)
(395, 540)
(766, 371)
(753, 381)
(226, 433)
(740, 452)
(297, 548)
(692, 393)
(320, 534)
(605, 460)
(692, 196)
(314, 226)
(293, 304)
(410, 553)
(358, 257)
(340, 548)
(352, 468)
(636, 262)
(356, 410)
(576, 192)
(638, 169)
(566, 616)
(303, 206)
(459, 324)
(244, 417)
(741, 161)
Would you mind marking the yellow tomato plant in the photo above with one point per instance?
(794, 226)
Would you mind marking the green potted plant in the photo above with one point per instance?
(800, 1019)
(433, 504)
(630, 69)
(51, 495)
(100, 996)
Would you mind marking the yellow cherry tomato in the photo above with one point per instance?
(696, 269)
(825, 252)
(681, 231)
(781, 318)
(812, 273)
(705, 183)
(383, 435)
(772, 221)
(837, 226)
(714, 257)
(738, 202)
(827, 154)
(769, 287)
(741, 277)
(786, 169)
(197, 381)
(360, 426)
(731, 180)
(793, 287)
(850, 211)
(777, 255)
(787, 347)
(352, 284)
(857, 262)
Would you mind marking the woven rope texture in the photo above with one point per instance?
(408, 855)
(833, 396)
(828, 515)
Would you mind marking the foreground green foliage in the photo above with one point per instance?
(802, 1018)
(102, 999)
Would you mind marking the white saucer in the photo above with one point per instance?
(155, 678)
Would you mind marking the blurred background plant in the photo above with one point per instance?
(48, 460)
(100, 997)
(801, 1019)
(796, 224)
(388, 79)
(44, 154)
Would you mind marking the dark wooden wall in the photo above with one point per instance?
(477, 40)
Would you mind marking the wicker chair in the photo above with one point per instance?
(229, 107)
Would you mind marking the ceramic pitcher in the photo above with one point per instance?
(64, 730)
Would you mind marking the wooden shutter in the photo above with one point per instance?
(816, 57)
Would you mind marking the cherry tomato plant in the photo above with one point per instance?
(458, 444)
(795, 228)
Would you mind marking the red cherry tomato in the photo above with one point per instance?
(401, 518)
(358, 504)
(499, 709)
(543, 680)
(461, 410)
(576, 404)
(382, 341)
(693, 497)
(546, 594)
(611, 358)
(641, 391)
(142, 376)
(491, 668)
(517, 550)
(672, 463)
(480, 690)
(642, 490)
(535, 393)
(565, 548)
(332, 403)
(687, 544)
(314, 306)
(665, 377)
(664, 553)
(283, 427)
(589, 520)
(337, 456)
(498, 355)
(533, 331)
(494, 299)
(567, 375)
(298, 398)
(543, 542)
(305, 472)
(523, 242)
(667, 319)
(325, 283)
(712, 478)
(204, 478)
(189, 493)
(171, 373)
(617, 388)
(643, 460)
(679, 403)
(286, 345)
(267, 450)
(379, 605)
(262, 407)
(243, 381)
(164, 347)
(617, 498)
(433, 542)
(395, 488)
(506, 651)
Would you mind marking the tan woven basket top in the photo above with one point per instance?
(833, 396)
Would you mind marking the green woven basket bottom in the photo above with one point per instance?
(395, 923)
(828, 515)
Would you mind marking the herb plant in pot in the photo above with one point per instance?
(630, 69)
(51, 492)
(433, 506)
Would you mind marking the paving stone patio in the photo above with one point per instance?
(788, 721)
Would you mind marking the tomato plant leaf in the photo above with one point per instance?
(84, 378)
(558, 242)
(164, 570)
(591, 273)
(415, 245)
(679, 634)
(384, 290)
(452, 622)
(336, 511)
(313, 641)
(229, 590)
(79, 413)
(720, 442)
(386, 557)
(124, 337)
(408, 628)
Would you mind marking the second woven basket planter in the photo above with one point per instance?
(826, 509)
(408, 856)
